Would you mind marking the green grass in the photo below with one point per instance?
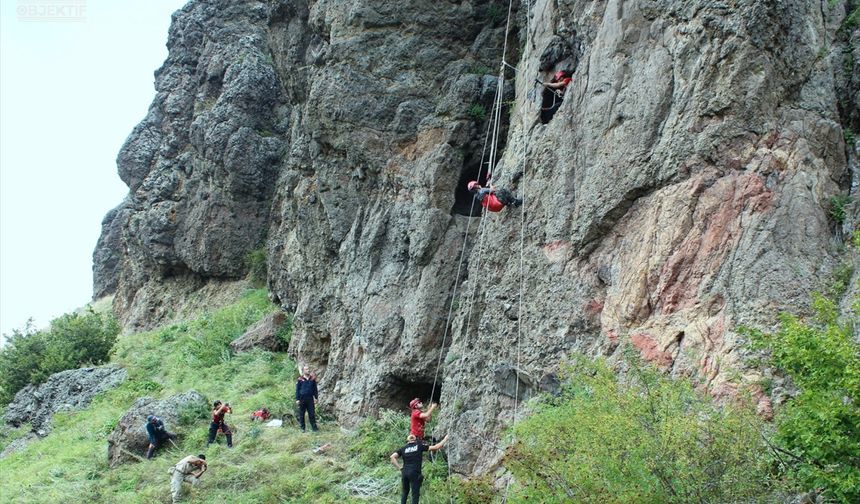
(267, 465)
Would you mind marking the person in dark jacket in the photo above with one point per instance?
(410, 471)
(306, 398)
(220, 409)
(494, 200)
(157, 434)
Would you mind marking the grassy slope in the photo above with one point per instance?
(267, 464)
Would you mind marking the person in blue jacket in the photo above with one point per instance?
(157, 434)
(306, 398)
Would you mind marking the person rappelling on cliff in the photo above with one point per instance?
(553, 94)
(494, 200)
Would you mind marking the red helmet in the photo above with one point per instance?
(472, 185)
(414, 402)
(561, 74)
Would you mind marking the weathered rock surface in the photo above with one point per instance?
(263, 334)
(681, 190)
(70, 390)
(129, 438)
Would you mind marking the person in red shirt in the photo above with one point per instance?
(553, 94)
(494, 200)
(220, 409)
(419, 418)
(261, 414)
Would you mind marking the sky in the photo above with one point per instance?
(75, 78)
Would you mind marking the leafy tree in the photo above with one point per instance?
(71, 340)
(818, 431)
(19, 361)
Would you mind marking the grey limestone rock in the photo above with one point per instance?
(70, 390)
(129, 441)
(680, 191)
(263, 334)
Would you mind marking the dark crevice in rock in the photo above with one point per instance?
(397, 391)
(463, 200)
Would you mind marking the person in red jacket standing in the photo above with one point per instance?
(419, 418)
(494, 200)
(220, 409)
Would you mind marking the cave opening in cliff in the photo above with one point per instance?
(462, 196)
(397, 391)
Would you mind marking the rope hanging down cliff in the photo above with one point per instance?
(495, 124)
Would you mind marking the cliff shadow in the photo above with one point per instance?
(462, 197)
(396, 392)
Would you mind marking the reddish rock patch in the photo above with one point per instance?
(650, 350)
(593, 307)
(557, 250)
(715, 232)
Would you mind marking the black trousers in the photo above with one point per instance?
(411, 480)
(307, 405)
(160, 438)
(550, 104)
(507, 198)
(213, 431)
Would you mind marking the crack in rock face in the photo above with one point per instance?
(679, 191)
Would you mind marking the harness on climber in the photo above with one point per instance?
(553, 94)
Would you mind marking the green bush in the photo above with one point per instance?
(837, 207)
(848, 133)
(71, 341)
(378, 438)
(477, 112)
(645, 438)
(257, 267)
(819, 429)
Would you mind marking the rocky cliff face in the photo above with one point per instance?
(681, 190)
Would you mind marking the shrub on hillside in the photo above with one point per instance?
(819, 429)
(378, 438)
(72, 340)
(257, 267)
(644, 438)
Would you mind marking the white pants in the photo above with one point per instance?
(176, 483)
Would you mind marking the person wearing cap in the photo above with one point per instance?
(419, 418)
(188, 470)
(553, 94)
(494, 200)
(410, 472)
(157, 434)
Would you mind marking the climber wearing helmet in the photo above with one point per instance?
(419, 418)
(494, 200)
(553, 94)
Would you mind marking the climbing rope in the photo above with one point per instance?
(522, 263)
(494, 126)
(462, 259)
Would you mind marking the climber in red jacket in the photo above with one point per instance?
(553, 94)
(494, 200)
